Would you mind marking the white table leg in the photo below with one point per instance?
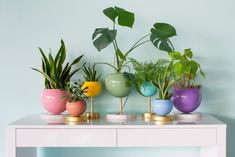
(220, 149)
(11, 142)
(12, 150)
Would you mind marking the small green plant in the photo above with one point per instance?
(90, 73)
(186, 68)
(76, 92)
(165, 79)
(102, 37)
(57, 76)
(144, 72)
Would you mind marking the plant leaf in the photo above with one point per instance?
(46, 76)
(120, 54)
(178, 69)
(110, 13)
(125, 18)
(175, 55)
(188, 53)
(164, 46)
(77, 60)
(160, 34)
(107, 36)
(202, 74)
(164, 30)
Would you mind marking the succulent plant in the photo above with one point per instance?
(90, 73)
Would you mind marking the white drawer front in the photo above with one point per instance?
(166, 137)
(66, 137)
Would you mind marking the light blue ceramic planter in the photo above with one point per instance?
(147, 89)
(162, 107)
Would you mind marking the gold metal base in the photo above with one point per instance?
(69, 118)
(147, 115)
(93, 115)
(162, 118)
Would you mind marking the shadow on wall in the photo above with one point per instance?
(230, 133)
(215, 88)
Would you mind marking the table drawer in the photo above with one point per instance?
(66, 137)
(166, 137)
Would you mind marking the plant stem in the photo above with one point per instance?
(139, 40)
(116, 49)
(168, 86)
(109, 65)
(160, 88)
(136, 44)
(140, 44)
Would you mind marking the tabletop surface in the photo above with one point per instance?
(39, 121)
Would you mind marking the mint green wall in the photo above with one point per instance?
(207, 26)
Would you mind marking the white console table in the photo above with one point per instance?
(209, 134)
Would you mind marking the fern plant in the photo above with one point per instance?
(57, 76)
(144, 72)
(90, 73)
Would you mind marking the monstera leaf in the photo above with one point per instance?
(160, 34)
(106, 36)
(124, 18)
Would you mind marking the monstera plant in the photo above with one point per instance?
(102, 37)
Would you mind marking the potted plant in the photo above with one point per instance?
(56, 79)
(164, 82)
(76, 104)
(187, 95)
(93, 88)
(144, 75)
(116, 83)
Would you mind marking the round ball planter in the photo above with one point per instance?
(162, 107)
(187, 100)
(76, 108)
(94, 88)
(147, 89)
(52, 100)
(115, 84)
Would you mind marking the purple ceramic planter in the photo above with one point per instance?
(186, 100)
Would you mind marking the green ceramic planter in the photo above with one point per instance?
(115, 84)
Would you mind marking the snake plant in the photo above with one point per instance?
(57, 76)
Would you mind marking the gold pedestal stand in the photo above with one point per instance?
(70, 120)
(162, 118)
(120, 116)
(148, 115)
(92, 115)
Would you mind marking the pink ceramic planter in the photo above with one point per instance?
(76, 108)
(52, 100)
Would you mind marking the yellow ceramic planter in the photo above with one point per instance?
(94, 88)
